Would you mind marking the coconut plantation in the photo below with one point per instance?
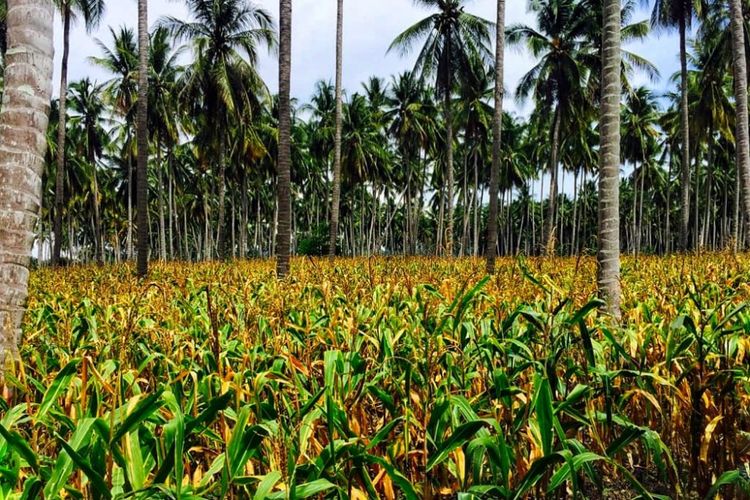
(405, 249)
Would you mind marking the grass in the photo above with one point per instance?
(387, 377)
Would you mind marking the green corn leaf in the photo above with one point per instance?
(57, 388)
(462, 435)
(142, 411)
(21, 447)
(265, 486)
(98, 486)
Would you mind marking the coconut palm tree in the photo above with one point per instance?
(742, 136)
(164, 72)
(336, 195)
(412, 121)
(608, 255)
(283, 236)
(23, 125)
(122, 61)
(226, 36)
(92, 12)
(497, 123)
(557, 81)
(640, 118)
(142, 140)
(451, 37)
(670, 14)
(89, 109)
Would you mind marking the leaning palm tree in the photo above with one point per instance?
(142, 140)
(668, 14)
(23, 125)
(91, 11)
(284, 234)
(336, 197)
(608, 255)
(226, 36)
(497, 123)
(452, 37)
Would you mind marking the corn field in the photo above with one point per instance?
(382, 378)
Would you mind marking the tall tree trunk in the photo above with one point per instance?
(336, 196)
(221, 215)
(550, 222)
(740, 93)
(23, 125)
(130, 206)
(283, 237)
(162, 215)
(142, 138)
(61, 135)
(497, 124)
(608, 256)
(477, 207)
(98, 233)
(685, 146)
(244, 216)
(448, 250)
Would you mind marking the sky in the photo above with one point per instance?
(369, 28)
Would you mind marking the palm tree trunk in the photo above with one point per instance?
(221, 215)
(162, 216)
(336, 196)
(740, 92)
(130, 206)
(608, 256)
(142, 138)
(23, 124)
(685, 146)
(244, 216)
(61, 135)
(477, 207)
(668, 225)
(549, 230)
(497, 124)
(448, 250)
(283, 237)
(98, 233)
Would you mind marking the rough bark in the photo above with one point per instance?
(142, 140)
(448, 250)
(740, 94)
(685, 146)
(61, 134)
(283, 236)
(491, 250)
(336, 195)
(23, 125)
(608, 256)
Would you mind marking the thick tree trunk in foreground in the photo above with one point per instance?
(336, 196)
(608, 256)
(23, 125)
(491, 249)
(283, 236)
(740, 94)
(61, 134)
(142, 140)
